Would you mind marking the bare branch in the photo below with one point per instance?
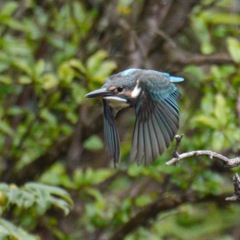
(236, 184)
(220, 58)
(178, 138)
(177, 16)
(227, 162)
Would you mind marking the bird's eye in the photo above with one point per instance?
(120, 89)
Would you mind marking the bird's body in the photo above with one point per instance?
(154, 97)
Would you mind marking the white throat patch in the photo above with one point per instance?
(115, 98)
(117, 102)
(136, 91)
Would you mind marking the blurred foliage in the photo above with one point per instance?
(29, 202)
(38, 195)
(190, 223)
(50, 57)
(10, 231)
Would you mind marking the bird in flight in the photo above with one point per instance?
(154, 97)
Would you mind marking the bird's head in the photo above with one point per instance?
(120, 90)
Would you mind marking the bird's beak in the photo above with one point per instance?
(99, 93)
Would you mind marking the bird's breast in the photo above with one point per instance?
(117, 103)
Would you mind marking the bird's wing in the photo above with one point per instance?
(157, 118)
(110, 132)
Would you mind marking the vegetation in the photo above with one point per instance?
(57, 181)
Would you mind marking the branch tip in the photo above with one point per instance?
(178, 139)
(236, 184)
(227, 162)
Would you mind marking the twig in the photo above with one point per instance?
(227, 162)
(167, 38)
(236, 184)
(178, 138)
(220, 58)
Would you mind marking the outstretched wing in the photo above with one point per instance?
(157, 119)
(110, 132)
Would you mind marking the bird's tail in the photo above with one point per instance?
(174, 78)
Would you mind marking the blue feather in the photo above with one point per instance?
(130, 71)
(173, 78)
(176, 79)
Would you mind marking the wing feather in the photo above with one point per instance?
(153, 139)
(157, 117)
(110, 132)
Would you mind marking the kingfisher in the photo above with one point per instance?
(154, 97)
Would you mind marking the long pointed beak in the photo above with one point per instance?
(99, 93)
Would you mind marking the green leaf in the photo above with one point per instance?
(39, 68)
(78, 93)
(207, 47)
(23, 66)
(77, 64)
(12, 232)
(98, 68)
(93, 143)
(15, 24)
(218, 140)
(220, 110)
(200, 28)
(8, 9)
(233, 46)
(37, 196)
(24, 80)
(3, 65)
(104, 70)
(206, 120)
(5, 79)
(207, 104)
(66, 73)
(55, 195)
(56, 175)
(5, 128)
(221, 18)
(96, 194)
(196, 73)
(143, 200)
(14, 111)
(89, 177)
(48, 116)
(49, 81)
(96, 60)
